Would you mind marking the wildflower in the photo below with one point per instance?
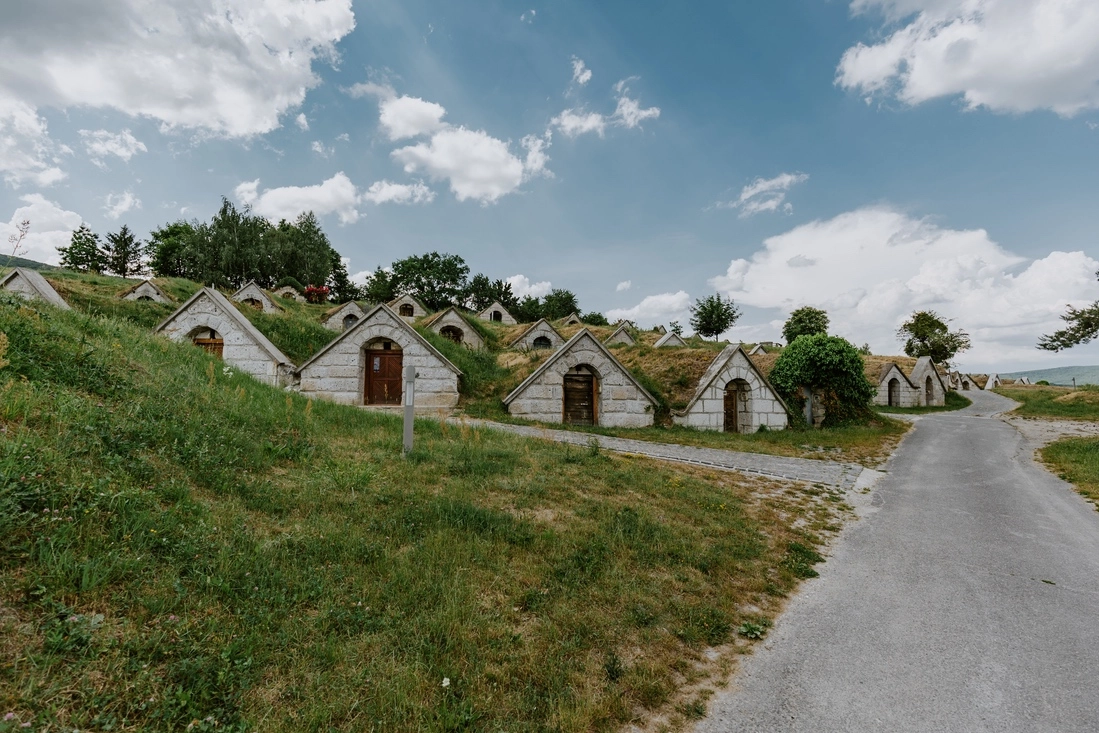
(9, 716)
(446, 682)
(173, 618)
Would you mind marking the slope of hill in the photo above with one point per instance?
(5, 262)
(1060, 375)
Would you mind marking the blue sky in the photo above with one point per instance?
(870, 158)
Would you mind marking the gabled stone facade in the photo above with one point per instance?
(619, 400)
(732, 377)
(497, 313)
(289, 291)
(571, 320)
(343, 317)
(993, 382)
(408, 308)
(31, 285)
(540, 335)
(338, 372)
(895, 389)
(255, 296)
(209, 320)
(929, 381)
(669, 340)
(145, 290)
(621, 336)
(660, 330)
(450, 324)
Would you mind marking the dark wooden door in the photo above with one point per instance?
(383, 377)
(732, 421)
(579, 399)
(212, 346)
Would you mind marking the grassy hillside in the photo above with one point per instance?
(1054, 402)
(1061, 375)
(185, 548)
(6, 262)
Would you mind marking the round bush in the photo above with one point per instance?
(833, 369)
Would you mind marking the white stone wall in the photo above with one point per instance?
(145, 290)
(417, 310)
(470, 338)
(908, 397)
(620, 403)
(21, 287)
(288, 291)
(339, 374)
(334, 322)
(526, 342)
(925, 368)
(240, 350)
(620, 337)
(507, 318)
(253, 291)
(763, 408)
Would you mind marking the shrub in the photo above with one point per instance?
(317, 294)
(830, 366)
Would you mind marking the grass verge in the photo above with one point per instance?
(1076, 460)
(1060, 402)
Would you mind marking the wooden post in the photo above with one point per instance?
(409, 406)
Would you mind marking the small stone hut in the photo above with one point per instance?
(669, 340)
(571, 320)
(497, 313)
(540, 335)
(450, 324)
(1022, 380)
(145, 290)
(621, 335)
(343, 317)
(733, 396)
(904, 382)
(583, 384)
(408, 308)
(31, 285)
(211, 322)
(895, 389)
(364, 366)
(993, 382)
(660, 329)
(253, 295)
(289, 291)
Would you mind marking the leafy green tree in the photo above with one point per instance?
(84, 253)
(484, 291)
(1083, 327)
(124, 253)
(436, 280)
(170, 249)
(595, 318)
(832, 368)
(676, 327)
(925, 333)
(381, 287)
(559, 303)
(528, 310)
(804, 321)
(341, 289)
(713, 315)
(865, 350)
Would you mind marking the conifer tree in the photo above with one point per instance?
(84, 253)
(124, 253)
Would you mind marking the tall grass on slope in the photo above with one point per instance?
(184, 547)
(1059, 402)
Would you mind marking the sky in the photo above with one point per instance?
(871, 157)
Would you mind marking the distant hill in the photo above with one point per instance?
(1061, 375)
(20, 262)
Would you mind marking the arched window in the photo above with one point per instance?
(349, 320)
(144, 297)
(452, 333)
(543, 342)
(406, 310)
(208, 340)
(497, 316)
(254, 302)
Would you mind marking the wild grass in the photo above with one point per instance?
(954, 401)
(1076, 460)
(1060, 402)
(185, 548)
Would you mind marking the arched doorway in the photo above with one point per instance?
(894, 392)
(543, 342)
(406, 310)
(384, 364)
(581, 396)
(497, 316)
(208, 340)
(965, 384)
(928, 392)
(144, 297)
(737, 406)
(349, 320)
(452, 333)
(254, 302)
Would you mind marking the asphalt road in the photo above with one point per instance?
(967, 601)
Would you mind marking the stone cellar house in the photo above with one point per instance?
(364, 366)
(408, 308)
(669, 340)
(497, 313)
(210, 321)
(993, 382)
(733, 396)
(571, 320)
(540, 335)
(31, 285)
(253, 295)
(621, 335)
(906, 382)
(289, 292)
(583, 384)
(450, 324)
(660, 329)
(343, 317)
(145, 290)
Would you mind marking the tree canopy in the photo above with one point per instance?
(804, 321)
(926, 333)
(1083, 327)
(832, 368)
(124, 253)
(713, 315)
(84, 253)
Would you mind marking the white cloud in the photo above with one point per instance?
(654, 309)
(872, 267)
(302, 122)
(623, 286)
(27, 154)
(534, 164)
(580, 73)
(1006, 55)
(320, 149)
(337, 195)
(522, 287)
(574, 122)
(765, 194)
(225, 67)
(100, 143)
(528, 16)
(629, 113)
(402, 117)
(385, 192)
(51, 227)
(117, 204)
(478, 166)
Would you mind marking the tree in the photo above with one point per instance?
(804, 321)
(381, 287)
(830, 367)
(559, 303)
(926, 334)
(16, 240)
(1083, 327)
(676, 327)
(340, 286)
(528, 310)
(595, 318)
(436, 280)
(170, 249)
(124, 253)
(84, 253)
(713, 315)
(865, 350)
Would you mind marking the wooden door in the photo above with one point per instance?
(211, 346)
(579, 399)
(383, 377)
(732, 417)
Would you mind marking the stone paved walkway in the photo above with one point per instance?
(830, 473)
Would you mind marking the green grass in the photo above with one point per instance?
(184, 545)
(1076, 460)
(1057, 402)
(954, 401)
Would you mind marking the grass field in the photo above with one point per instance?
(1063, 403)
(1076, 460)
(954, 401)
(185, 548)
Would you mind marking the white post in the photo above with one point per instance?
(409, 406)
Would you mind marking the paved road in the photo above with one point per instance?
(831, 473)
(969, 601)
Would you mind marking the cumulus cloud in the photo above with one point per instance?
(623, 286)
(27, 153)
(51, 227)
(117, 204)
(302, 122)
(477, 165)
(402, 117)
(385, 192)
(99, 144)
(337, 195)
(654, 309)
(224, 67)
(872, 267)
(580, 73)
(765, 194)
(574, 122)
(1006, 55)
(522, 287)
(629, 112)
